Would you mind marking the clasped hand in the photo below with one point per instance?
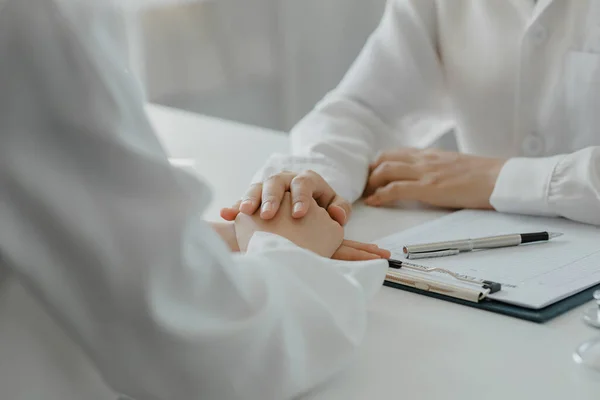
(302, 208)
(439, 178)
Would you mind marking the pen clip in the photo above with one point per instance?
(432, 254)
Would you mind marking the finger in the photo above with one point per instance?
(322, 193)
(231, 213)
(391, 171)
(368, 247)
(251, 200)
(319, 188)
(407, 155)
(272, 194)
(395, 191)
(302, 187)
(340, 210)
(347, 253)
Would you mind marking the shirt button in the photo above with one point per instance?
(539, 34)
(533, 145)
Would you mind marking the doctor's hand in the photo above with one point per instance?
(306, 188)
(435, 177)
(316, 232)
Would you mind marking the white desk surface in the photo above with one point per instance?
(416, 347)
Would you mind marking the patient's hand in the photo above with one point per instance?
(316, 232)
(438, 178)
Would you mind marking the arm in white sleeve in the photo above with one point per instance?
(564, 185)
(397, 75)
(100, 228)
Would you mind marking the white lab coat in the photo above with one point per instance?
(518, 80)
(108, 238)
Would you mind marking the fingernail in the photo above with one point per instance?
(246, 203)
(266, 207)
(298, 207)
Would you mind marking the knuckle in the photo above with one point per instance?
(433, 178)
(387, 166)
(302, 180)
(310, 176)
(420, 166)
(305, 182)
(268, 197)
(287, 175)
(255, 188)
(303, 198)
(397, 188)
(251, 195)
(277, 178)
(272, 181)
(425, 166)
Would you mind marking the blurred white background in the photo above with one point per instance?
(263, 62)
(259, 62)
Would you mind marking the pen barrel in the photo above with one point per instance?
(461, 245)
(496, 242)
(465, 245)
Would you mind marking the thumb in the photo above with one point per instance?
(340, 210)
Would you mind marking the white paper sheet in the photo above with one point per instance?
(532, 275)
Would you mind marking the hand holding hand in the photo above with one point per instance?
(438, 178)
(306, 188)
(313, 232)
(316, 231)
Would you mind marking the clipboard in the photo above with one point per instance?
(539, 316)
(538, 282)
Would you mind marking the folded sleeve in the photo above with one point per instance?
(109, 237)
(396, 77)
(564, 185)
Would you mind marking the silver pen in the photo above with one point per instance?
(453, 247)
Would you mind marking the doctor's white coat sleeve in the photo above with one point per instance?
(397, 75)
(566, 185)
(96, 223)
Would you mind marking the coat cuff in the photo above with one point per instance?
(523, 186)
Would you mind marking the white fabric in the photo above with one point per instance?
(108, 236)
(518, 80)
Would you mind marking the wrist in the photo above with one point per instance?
(493, 174)
(227, 232)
